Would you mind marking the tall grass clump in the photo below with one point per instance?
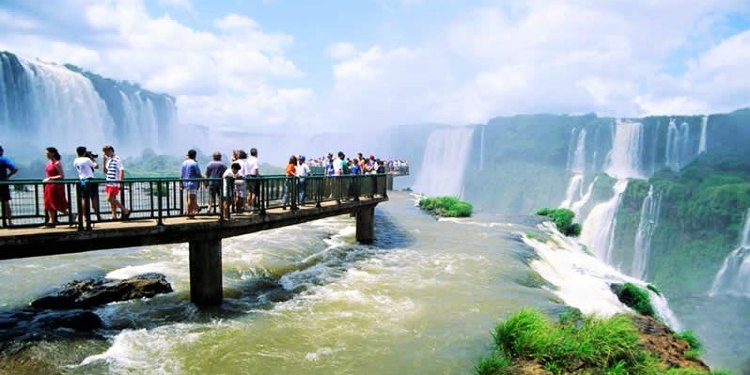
(692, 340)
(577, 344)
(563, 219)
(446, 206)
(634, 297)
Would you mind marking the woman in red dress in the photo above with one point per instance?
(54, 194)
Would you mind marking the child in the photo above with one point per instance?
(235, 183)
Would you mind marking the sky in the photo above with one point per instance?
(331, 65)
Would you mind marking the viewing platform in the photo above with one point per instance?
(158, 216)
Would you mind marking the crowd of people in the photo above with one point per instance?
(239, 177)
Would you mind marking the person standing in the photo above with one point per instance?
(303, 170)
(189, 172)
(85, 164)
(7, 169)
(215, 170)
(54, 193)
(253, 176)
(290, 173)
(115, 173)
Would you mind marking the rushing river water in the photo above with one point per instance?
(305, 299)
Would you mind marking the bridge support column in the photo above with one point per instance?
(205, 272)
(366, 225)
(389, 181)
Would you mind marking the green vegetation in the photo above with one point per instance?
(563, 219)
(634, 297)
(577, 344)
(692, 340)
(446, 206)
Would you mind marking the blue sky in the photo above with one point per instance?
(321, 65)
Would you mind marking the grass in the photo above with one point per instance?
(563, 219)
(692, 340)
(634, 297)
(446, 206)
(575, 344)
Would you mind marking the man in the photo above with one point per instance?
(215, 170)
(85, 164)
(253, 174)
(7, 169)
(114, 172)
(303, 170)
(189, 172)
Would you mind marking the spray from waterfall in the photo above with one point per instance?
(649, 219)
(481, 149)
(623, 160)
(734, 276)
(444, 162)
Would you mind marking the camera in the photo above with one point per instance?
(91, 155)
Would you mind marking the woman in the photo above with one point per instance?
(54, 193)
(291, 173)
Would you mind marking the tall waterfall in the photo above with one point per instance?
(444, 162)
(646, 227)
(704, 130)
(481, 149)
(44, 104)
(623, 160)
(577, 166)
(599, 226)
(734, 276)
(678, 143)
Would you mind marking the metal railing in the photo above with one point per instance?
(164, 198)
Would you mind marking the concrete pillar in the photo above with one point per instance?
(366, 225)
(389, 181)
(205, 272)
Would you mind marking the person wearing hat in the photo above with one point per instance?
(7, 169)
(189, 172)
(215, 170)
(303, 170)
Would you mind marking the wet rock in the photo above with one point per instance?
(79, 320)
(92, 292)
(659, 339)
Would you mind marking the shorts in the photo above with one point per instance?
(4, 193)
(89, 189)
(253, 185)
(112, 190)
(240, 190)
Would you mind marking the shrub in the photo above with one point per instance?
(692, 340)
(492, 365)
(446, 206)
(634, 297)
(563, 219)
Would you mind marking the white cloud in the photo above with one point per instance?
(235, 21)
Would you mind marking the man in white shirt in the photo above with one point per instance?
(303, 170)
(85, 164)
(253, 174)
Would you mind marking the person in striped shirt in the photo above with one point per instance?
(114, 172)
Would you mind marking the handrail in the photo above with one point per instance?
(163, 198)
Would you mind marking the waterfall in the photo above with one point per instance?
(734, 276)
(481, 148)
(66, 107)
(577, 165)
(704, 130)
(646, 227)
(582, 280)
(444, 161)
(678, 145)
(623, 160)
(599, 226)
(580, 203)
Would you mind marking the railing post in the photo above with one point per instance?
(160, 219)
(79, 205)
(319, 190)
(262, 194)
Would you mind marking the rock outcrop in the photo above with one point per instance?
(96, 292)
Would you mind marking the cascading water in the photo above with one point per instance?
(583, 281)
(599, 227)
(646, 227)
(734, 276)
(481, 149)
(623, 160)
(704, 131)
(678, 145)
(578, 205)
(66, 107)
(577, 166)
(445, 158)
